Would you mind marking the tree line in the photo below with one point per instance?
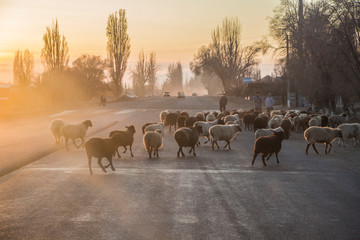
(322, 63)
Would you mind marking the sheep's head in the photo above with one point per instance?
(198, 128)
(131, 129)
(238, 128)
(87, 123)
(279, 134)
(338, 133)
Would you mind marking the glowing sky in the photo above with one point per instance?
(173, 29)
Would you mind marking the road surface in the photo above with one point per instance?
(216, 195)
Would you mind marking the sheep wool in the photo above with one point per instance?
(75, 131)
(223, 133)
(153, 141)
(349, 130)
(268, 145)
(160, 127)
(324, 135)
(100, 148)
(187, 137)
(56, 129)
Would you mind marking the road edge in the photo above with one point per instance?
(45, 153)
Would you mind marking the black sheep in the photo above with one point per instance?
(259, 123)
(249, 119)
(100, 148)
(170, 120)
(181, 121)
(268, 145)
(189, 122)
(187, 137)
(126, 138)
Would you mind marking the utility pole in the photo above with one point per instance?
(287, 71)
(299, 80)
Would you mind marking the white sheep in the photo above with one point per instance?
(210, 117)
(349, 130)
(205, 126)
(274, 123)
(153, 127)
(324, 135)
(223, 133)
(153, 141)
(200, 116)
(55, 128)
(262, 132)
(336, 120)
(232, 118)
(75, 131)
(314, 121)
(163, 115)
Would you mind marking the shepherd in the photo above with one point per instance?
(223, 102)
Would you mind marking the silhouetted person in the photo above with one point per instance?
(269, 102)
(102, 101)
(257, 102)
(223, 102)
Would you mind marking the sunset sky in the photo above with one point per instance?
(173, 29)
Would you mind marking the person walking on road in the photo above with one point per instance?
(269, 103)
(258, 102)
(223, 102)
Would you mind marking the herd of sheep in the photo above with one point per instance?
(270, 129)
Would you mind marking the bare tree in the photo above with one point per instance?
(90, 70)
(144, 74)
(139, 75)
(151, 70)
(225, 55)
(174, 78)
(118, 48)
(23, 68)
(55, 53)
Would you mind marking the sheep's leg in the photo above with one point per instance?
(307, 148)
(212, 145)
(89, 162)
(277, 158)
(255, 155)
(229, 145)
(263, 158)
(207, 140)
(268, 157)
(190, 150)
(193, 147)
(66, 144)
(326, 145)
(178, 153)
(117, 151)
(125, 149)
(329, 147)
(100, 164)
(74, 142)
(149, 151)
(182, 153)
(217, 145)
(111, 162)
(341, 141)
(131, 150)
(157, 152)
(315, 148)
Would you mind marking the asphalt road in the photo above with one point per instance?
(216, 195)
